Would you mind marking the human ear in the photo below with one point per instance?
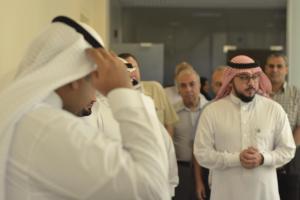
(74, 85)
(95, 77)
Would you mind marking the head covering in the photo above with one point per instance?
(56, 57)
(243, 64)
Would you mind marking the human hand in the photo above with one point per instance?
(111, 73)
(251, 158)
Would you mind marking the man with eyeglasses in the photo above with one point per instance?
(243, 136)
(288, 96)
(165, 111)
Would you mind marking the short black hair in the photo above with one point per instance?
(278, 55)
(128, 55)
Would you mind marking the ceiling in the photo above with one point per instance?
(205, 3)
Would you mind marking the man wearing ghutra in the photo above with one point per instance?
(244, 136)
(47, 152)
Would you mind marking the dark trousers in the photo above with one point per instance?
(289, 186)
(289, 179)
(186, 187)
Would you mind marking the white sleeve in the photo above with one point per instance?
(172, 162)
(204, 146)
(173, 169)
(81, 163)
(284, 147)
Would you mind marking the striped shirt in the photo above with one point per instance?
(289, 98)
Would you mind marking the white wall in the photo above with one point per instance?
(98, 13)
(21, 21)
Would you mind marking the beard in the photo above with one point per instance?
(134, 82)
(243, 97)
(85, 112)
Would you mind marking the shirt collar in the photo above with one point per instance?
(238, 101)
(54, 100)
(180, 106)
(282, 89)
(284, 86)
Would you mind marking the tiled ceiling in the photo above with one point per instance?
(205, 3)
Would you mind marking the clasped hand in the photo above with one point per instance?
(251, 158)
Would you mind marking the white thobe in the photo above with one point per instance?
(227, 127)
(103, 119)
(55, 155)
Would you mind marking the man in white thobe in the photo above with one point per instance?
(244, 136)
(47, 152)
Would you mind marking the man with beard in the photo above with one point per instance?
(87, 110)
(244, 136)
(47, 152)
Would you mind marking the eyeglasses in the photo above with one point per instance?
(246, 78)
(130, 67)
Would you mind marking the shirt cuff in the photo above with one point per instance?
(267, 159)
(233, 160)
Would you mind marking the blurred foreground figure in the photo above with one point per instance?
(48, 152)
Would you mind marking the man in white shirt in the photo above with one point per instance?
(244, 136)
(47, 152)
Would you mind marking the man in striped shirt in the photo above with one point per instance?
(288, 96)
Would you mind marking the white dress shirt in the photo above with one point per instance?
(227, 127)
(56, 155)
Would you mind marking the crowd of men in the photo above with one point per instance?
(78, 122)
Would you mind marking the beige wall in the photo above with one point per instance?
(293, 31)
(22, 20)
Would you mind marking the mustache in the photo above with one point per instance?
(250, 88)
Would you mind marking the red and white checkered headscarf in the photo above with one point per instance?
(243, 64)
